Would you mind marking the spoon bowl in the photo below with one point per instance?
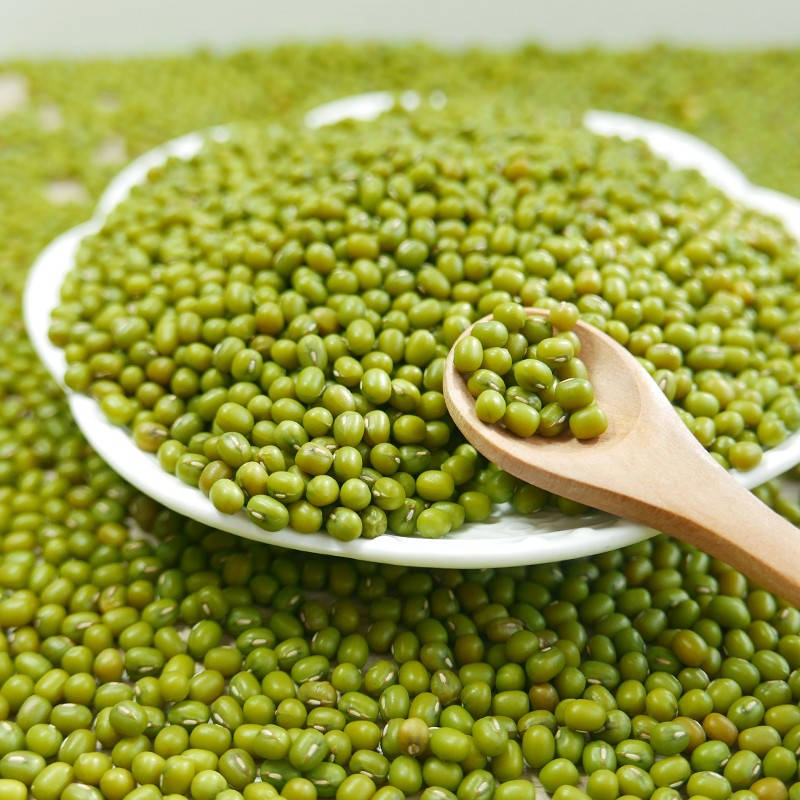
(647, 466)
(617, 391)
(505, 539)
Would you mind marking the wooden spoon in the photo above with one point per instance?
(646, 467)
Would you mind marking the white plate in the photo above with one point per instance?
(504, 540)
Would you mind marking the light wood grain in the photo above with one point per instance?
(646, 467)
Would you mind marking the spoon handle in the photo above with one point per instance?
(710, 509)
(662, 477)
(748, 535)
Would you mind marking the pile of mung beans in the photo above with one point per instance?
(271, 317)
(145, 656)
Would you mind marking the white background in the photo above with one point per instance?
(43, 28)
